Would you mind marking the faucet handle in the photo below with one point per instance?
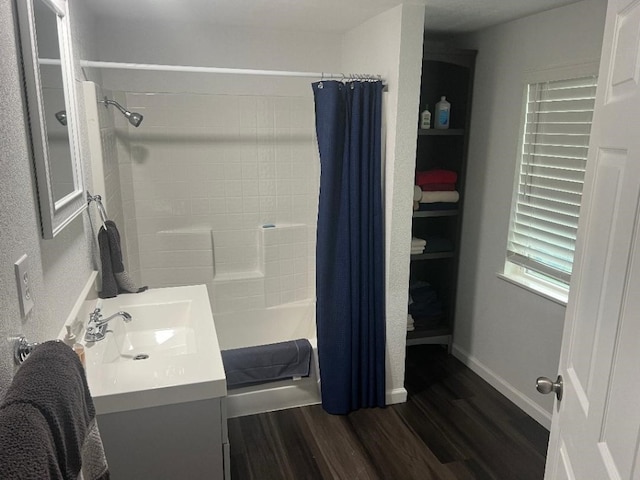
(95, 315)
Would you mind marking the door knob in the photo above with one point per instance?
(545, 385)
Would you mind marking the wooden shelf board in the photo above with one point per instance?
(435, 213)
(438, 132)
(432, 256)
(429, 336)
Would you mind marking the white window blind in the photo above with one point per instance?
(546, 206)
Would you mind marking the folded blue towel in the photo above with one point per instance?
(422, 292)
(265, 363)
(426, 310)
(437, 206)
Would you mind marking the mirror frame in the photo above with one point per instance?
(54, 215)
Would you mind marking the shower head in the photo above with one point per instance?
(134, 118)
(61, 116)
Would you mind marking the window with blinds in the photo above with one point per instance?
(544, 221)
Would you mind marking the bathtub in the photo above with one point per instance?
(260, 327)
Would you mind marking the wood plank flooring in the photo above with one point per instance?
(454, 426)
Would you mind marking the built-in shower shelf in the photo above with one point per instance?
(229, 277)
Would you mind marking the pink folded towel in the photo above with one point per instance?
(438, 187)
(436, 176)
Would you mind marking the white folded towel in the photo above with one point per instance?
(410, 323)
(417, 193)
(418, 242)
(433, 197)
(417, 251)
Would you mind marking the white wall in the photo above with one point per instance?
(508, 334)
(391, 45)
(59, 268)
(213, 46)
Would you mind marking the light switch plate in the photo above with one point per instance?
(24, 285)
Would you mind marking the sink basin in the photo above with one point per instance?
(167, 354)
(162, 329)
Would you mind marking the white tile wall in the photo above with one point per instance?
(285, 264)
(229, 164)
(172, 258)
(110, 186)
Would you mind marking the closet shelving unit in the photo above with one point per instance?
(447, 72)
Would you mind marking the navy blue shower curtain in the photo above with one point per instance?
(350, 246)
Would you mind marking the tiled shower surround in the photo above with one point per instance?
(202, 177)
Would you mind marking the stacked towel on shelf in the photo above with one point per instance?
(431, 207)
(417, 193)
(437, 190)
(410, 323)
(430, 244)
(437, 187)
(417, 245)
(442, 197)
(437, 244)
(436, 176)
(48, 427)
(425, 308)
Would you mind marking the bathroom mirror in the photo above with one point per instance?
(45, 43)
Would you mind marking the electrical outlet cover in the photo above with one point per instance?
(24, 285)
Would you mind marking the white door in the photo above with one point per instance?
(595, 432)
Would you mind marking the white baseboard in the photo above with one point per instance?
(397, 395)
(531, 408)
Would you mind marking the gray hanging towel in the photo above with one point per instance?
(115, 278)
(109, 284)
(265, 363)
(58, 435)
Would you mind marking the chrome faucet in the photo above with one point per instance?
(97, 327)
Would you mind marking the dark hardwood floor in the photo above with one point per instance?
(453, 426)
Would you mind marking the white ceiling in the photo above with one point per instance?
(442, 16)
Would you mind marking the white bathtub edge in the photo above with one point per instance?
(270, 400)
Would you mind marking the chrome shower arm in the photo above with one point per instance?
(134, 118)
(106, 102)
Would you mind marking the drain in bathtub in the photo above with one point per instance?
(141, 356)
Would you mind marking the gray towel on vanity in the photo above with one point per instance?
(27, 449)
(49, 397)
(265, 363)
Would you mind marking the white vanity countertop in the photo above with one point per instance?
(191, 369)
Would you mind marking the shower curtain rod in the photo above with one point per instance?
(232, 71)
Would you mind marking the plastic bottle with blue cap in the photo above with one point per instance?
(443, 114)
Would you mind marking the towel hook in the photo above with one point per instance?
(101, 210)
(22, 348)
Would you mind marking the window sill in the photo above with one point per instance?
(550, 292)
